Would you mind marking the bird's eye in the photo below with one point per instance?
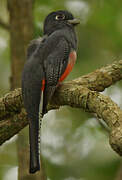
(60, 17)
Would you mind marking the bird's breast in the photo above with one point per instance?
(71, 62)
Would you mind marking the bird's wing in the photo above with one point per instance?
(55, 65)
(34, 45)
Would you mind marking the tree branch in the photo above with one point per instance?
(94, 102)
(97, 81)
(11, 126)
(101, 78)
(74, 94)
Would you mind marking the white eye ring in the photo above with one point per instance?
(60, 17)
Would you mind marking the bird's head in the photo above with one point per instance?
(58, 20)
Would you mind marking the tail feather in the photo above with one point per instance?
(34, 147)
(35, 137)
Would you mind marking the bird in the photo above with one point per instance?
(49, 61)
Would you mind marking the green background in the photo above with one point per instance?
(74, 145)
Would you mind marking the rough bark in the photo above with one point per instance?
(98, 80)
(101, 78)
(81, 97)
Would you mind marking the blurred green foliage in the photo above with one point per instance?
(74, 145)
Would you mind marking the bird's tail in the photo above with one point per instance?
(35, 136)
(34, 147)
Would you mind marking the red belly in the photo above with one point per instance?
(71, 62)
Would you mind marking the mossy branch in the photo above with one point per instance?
(77, 93)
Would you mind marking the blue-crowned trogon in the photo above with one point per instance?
(49, 61)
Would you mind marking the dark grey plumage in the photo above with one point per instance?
(47, 61)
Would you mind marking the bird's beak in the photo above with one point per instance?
(74, 21)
